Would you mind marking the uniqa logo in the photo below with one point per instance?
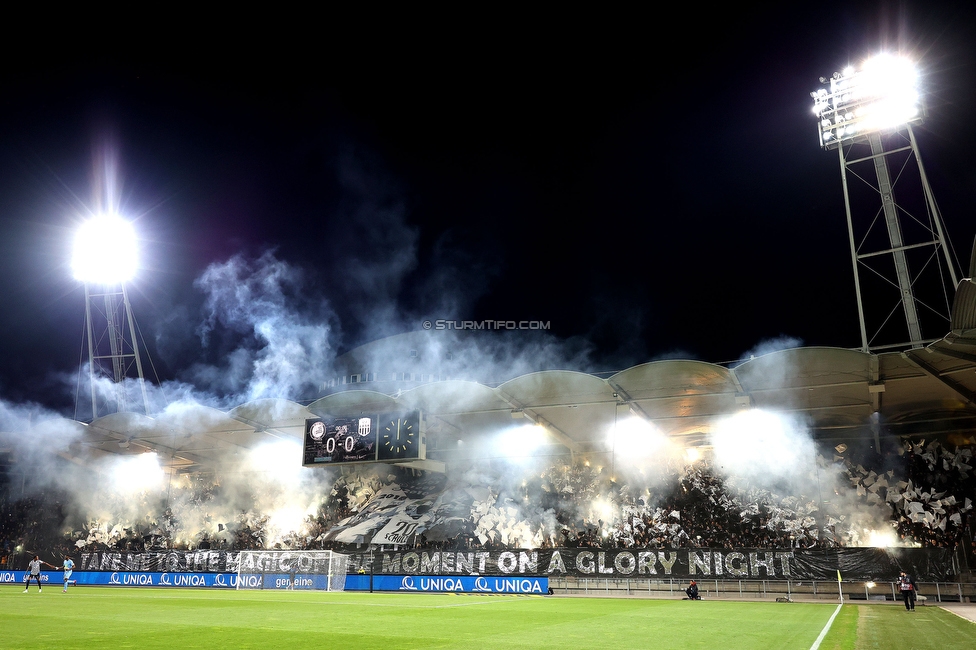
(189, 580)
(114, 579)
(481, 584)
(440, 584)
(6, 576)
(523, 586)
(220, 581)
(137, 579)
(245, 581)
(164, 580)
(407, 584)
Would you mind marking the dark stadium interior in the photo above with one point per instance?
(603, 286)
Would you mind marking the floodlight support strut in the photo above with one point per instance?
(122, 352)
(141, 378)
(850, 233)
(933, 208)
(898, 247)
(896, 239)
(91, 351)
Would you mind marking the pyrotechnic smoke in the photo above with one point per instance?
(269, 330)
(769, 346)
(280, 351)
(772, 451)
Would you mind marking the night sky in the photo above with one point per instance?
(650, 186)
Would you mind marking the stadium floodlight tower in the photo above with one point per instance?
(867, 114)
(104, 259)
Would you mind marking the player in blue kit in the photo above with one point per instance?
(68, 568)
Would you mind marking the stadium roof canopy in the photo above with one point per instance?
(836, 392)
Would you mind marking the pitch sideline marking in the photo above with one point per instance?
(965, 618)
(823, 632)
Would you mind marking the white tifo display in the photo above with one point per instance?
(308, 570)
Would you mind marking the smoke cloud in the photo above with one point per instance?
(267, 328)
(280, 350)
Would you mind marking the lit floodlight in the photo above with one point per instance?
(278, 461)
(882, 95)
(522, 440)
(881, 538)
(105, 251)
(138, 473)
(287, 519)
(634, 438)
(763, 444)
(602, 509)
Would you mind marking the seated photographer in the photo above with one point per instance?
(692, 591)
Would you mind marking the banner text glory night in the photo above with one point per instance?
(581, 562)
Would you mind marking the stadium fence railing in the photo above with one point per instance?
(826, 590)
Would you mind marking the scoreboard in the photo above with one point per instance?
(364, 439)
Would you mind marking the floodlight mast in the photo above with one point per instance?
(876, 106)
(104, 259)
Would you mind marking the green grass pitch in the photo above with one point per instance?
(91, 617)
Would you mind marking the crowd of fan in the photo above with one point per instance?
(924, 504)
(915, 493)
(920, 490)
(940, 478)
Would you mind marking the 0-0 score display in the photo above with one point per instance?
(340, 440)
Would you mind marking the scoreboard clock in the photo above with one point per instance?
(400, 437)
(340, 440)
